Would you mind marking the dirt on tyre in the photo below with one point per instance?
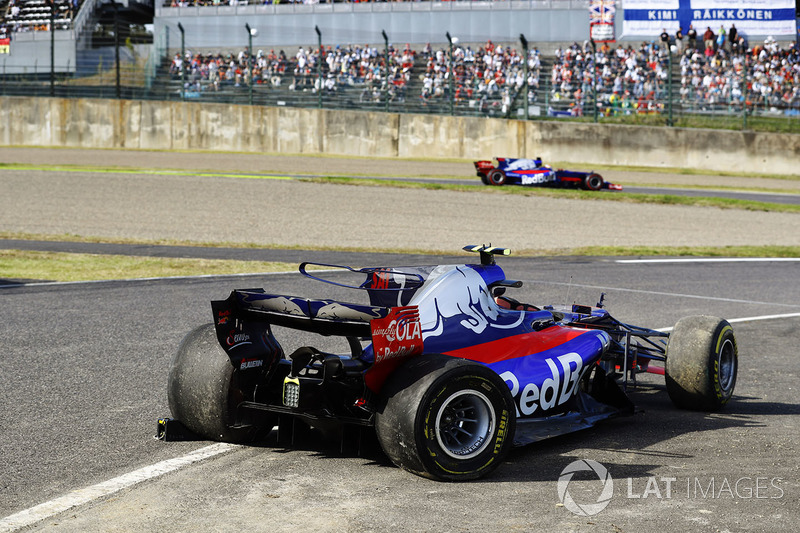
(702, 363)
(204, 389)
(496, 177)
(446, 418)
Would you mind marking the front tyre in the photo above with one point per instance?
(496, 177)
(593, 182)
(204, 388)
(446, 418)
(702, 363)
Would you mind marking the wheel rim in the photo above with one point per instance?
(465, 424)
(727, 365)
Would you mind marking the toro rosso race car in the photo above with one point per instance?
(448, 371)
(531, 172)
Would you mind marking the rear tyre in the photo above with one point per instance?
(593, 182)
(496, 177)
(485, 179)
(204, 389)
(702, 363)
(446, 418)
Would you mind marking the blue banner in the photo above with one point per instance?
(648, 18)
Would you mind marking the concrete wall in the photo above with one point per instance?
(93, 123)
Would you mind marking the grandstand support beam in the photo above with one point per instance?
(250, 33)
(52, 48)
(524, 42)
(385, 71)
(319, 66)
(183, 60)
(452, 71)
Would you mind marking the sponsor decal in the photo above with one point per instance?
(251, 363)
(223, 317)
(566, 372)
(380, 279)
(399, 334)
(536, 179)
(236, 339)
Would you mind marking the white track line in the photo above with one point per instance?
(711, 260)
(657, 293)
(79, 497)
(749, 319)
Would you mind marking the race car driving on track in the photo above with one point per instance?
(532, 173)
(447, 370)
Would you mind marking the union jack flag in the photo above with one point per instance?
(602, 10)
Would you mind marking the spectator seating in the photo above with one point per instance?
(489, 79)
(34, 15)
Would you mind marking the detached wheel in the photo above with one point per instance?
(204, 388)
(593, 182)
(702, 362)
(446, 418)
(496, 177)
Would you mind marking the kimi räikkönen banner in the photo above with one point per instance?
(648, 18)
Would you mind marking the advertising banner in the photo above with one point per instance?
(648, 18)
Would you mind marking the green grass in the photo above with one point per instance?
(58, 266)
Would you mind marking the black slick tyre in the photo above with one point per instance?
(204, 388)
(485, 179)
(496, 177)
(446, 418)
(702, 363)
(593, 182)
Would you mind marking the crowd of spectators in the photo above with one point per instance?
(715, 73)
(706, 75)
(35, 15)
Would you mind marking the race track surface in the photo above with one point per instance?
(286, 213)
(84, 380)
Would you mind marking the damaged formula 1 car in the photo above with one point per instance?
(533, 173)
(448, 371)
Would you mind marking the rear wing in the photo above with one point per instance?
(326, 317)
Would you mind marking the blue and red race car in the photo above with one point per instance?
(441, 365)
(532, 173)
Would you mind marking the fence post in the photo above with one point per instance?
(524, 42)
(385, 71)
(116, 45)
(669, 85)
(250, 33)
(594, 80)
(52, 48)
(452, 71)
(183, 60)
(744, 91)
(319, 66)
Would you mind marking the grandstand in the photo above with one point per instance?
(203, 53)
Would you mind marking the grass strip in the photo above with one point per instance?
(61, 266)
